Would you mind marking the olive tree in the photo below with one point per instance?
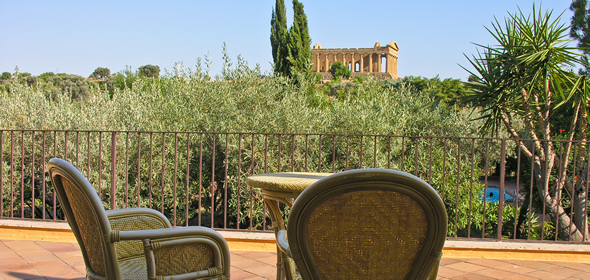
(523, 80)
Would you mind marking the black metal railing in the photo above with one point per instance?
(491, 187)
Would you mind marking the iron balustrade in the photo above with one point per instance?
(198, 178)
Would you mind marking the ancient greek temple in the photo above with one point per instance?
(381, 62)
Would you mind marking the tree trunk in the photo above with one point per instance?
(564, 224)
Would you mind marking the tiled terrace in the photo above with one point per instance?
(21, 259)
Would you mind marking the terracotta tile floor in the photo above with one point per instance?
(62, 260)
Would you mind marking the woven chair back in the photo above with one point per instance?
(367, 224)
(86, 216)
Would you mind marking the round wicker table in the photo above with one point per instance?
(282, 187)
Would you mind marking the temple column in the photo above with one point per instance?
(379, 63)
(326, 63)
(371, 63)
(317, 64)
(362, 62)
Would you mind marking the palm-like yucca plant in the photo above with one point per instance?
(524, 79)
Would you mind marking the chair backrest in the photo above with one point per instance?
(367, 224)
(87, 218)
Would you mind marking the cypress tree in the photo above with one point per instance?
(279, 38)
(301, 40)
(580, 29)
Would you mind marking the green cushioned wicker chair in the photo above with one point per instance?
(366, 224)
(136, 243)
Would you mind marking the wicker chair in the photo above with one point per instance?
(366, 224)
(136, 243)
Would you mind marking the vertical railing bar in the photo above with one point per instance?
(483, 232)
(77, 149)
(138, 187)
(458, 183)
(226, 160)
(100, 165)
(22, 175)
(12, 175)
(2, 175)
(114, 170)
(200, 175)
(416, 164)
(334, 154)
(88, 155)
(531, 198)
(65, 145)
(573, 195)
(44, 159)
(306, 150)
(186, 192)
(347, 150)
(240, 182)
(127, 170)
(213, 183)
(430, 163)
(280, 152)
(587, 188)
(471, 187)
(444, 173)
(559, 179)
(320, 155)
(516, 209)
(54, 155)
(175, 193)
(361, 154)
(252, 157)
(389, 152)
(375, 152)
(163, 184)
(292, 155)
(502, 182)
(403, 153)
(151, 173)
(33, 204)
(266, 154)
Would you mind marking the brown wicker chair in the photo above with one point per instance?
(366, 224)
(136, 243)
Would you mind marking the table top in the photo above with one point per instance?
(285, 182)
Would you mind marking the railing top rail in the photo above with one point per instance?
(299, 134)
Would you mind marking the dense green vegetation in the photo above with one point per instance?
(243, 100)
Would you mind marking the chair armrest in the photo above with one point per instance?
(137, 219)
(163, 246)
(283, 243)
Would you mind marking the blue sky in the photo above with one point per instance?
(76, 37)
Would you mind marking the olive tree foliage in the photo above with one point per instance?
(150, 71)
(524, 79)
(5, 76)
(100, 73)
(241, 101)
